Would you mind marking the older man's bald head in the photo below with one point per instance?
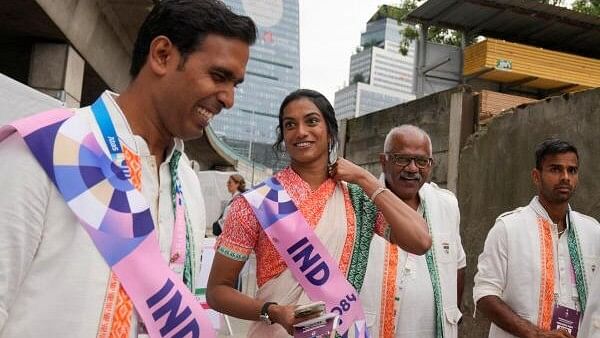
(406, 131)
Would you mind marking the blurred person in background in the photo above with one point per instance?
(235, 185)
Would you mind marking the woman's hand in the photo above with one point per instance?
(344, 170)
(408, 229)
(284, 316)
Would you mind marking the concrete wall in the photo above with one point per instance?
(495, 168)
(363, 137)
(492, 174)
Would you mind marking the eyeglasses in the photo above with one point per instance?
(404, 160)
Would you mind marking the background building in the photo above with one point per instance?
(380, 76)
(273, 71)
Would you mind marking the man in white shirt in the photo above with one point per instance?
(405, 295)
(537, 262)
(187, 60)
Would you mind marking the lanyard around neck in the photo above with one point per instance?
(107, 128)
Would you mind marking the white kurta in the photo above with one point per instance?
(414, 292)
(510, 265)
(52, 278)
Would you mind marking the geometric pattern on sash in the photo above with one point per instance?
(90, 181)
(271, 202)
(119, 314)
(107, 205)
(97, 185)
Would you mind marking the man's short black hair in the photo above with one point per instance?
(552, 146)
(186, 23)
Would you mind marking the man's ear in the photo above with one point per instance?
(536, 177)
(162, 52)
(382, 161)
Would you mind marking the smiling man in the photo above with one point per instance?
(537, 263)
(101, 215)
(406, 295)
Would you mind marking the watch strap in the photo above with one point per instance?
(264, 312)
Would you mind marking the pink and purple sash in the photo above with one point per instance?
(117, 218)
(305, 255)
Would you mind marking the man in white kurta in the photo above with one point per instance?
(57, 275)
(398, 295)
(526, 268)
(53, 280)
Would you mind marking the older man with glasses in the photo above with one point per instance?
(405, 295)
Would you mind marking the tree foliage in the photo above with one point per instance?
(410, 33)
(591, 7)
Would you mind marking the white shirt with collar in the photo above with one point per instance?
(510, 265)
(414, 300)
(53, 280)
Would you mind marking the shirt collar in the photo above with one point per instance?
(134, 142)
(541, 211)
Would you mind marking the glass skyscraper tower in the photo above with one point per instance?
(380, 76)
(273, 71)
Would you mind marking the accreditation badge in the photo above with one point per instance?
(565, 318)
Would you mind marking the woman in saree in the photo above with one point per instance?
(334, 197)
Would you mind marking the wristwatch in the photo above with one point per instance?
(264, 313)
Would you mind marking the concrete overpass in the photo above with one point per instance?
(73, 50)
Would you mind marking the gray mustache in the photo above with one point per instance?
(410, 176)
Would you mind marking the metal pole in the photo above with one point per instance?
(422, 59)
(462, 57)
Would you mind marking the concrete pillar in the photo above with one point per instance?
(95, 31)
(57, 70)
(462, 111)
(454, 140)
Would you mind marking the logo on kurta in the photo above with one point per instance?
(446, 247)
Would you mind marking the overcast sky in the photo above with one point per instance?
(329, 34)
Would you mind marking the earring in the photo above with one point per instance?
(333, 156)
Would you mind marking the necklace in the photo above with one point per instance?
(562, 231)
